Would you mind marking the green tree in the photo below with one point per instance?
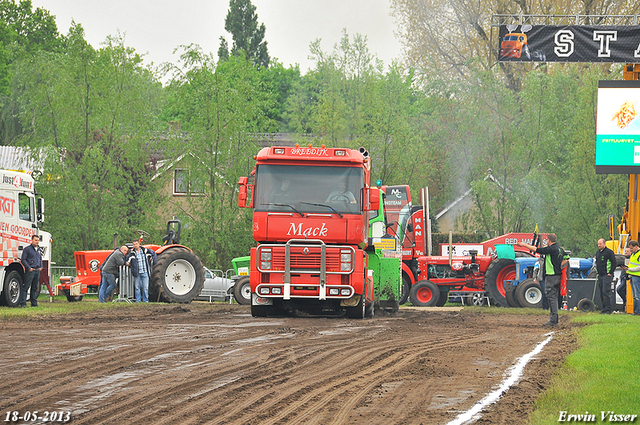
(92, 111)
(23, 32)
(248, 36)
(218, 104)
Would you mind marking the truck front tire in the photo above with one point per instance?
(11, 289)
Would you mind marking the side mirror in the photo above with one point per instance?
(374, 199)
(243, 198)
(40, 210)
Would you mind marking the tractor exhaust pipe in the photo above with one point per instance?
(450, 248)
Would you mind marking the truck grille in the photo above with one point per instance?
(306, 258)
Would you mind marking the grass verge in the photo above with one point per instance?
(60, 305)
(602, 376)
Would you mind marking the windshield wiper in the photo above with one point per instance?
(286, 205)
(323, 205)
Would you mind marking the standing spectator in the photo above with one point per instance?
(634, 273)
(110, 271)
(551, 273)
(32, 263)
(621, 289)
(141, 260)
(605, 265)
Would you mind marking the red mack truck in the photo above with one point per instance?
(310, 221)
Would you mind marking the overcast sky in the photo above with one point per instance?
(157, 27)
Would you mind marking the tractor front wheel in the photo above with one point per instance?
(529, 294)
(424, 294)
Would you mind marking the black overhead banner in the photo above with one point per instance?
(569, 43)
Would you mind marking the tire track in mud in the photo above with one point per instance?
(59, 374)
(369, 377)
(245, 382)
(291, 370)
(301, 392)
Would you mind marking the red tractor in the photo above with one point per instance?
(177, 277)
(471, 268)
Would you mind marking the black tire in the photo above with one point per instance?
(620, 259)
(178, 277)
(405, 288)
(510, 295)
(242, 291)
(529, 294)
(498, 271)
(593, 273)
(478, 299)
(11, 289)
(586, 305)
(424, 294)
(442, 299)
(259, 310)
(359, 311)
(73, 299)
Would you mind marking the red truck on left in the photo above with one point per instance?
(21, 211)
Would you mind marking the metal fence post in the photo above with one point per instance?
(125, 283)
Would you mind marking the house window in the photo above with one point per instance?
(182, 183)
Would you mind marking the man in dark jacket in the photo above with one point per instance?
(109, 272)
(32, 262)
(141, 260)
(605, 265)
(551, 272)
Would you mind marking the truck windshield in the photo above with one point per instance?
(299, 189)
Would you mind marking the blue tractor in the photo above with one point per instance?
(524, 291)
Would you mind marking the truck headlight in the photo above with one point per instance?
(264, 291)
(265, 257)
(276, 291)
(346, 292)
(345, 261)
(334, 291)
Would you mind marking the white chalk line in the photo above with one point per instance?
(472, 414)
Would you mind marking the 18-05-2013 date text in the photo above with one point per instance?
(33, 416)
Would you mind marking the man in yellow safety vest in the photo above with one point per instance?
(633, 271)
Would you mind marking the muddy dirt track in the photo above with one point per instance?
(215, 364)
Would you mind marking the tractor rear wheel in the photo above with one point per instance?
(424, 294)
(178, 277)
(11, 289)
(498, 271)
(242, 291)
(529, 294)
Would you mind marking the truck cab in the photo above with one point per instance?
(310, 222)
(21, 212)
(514, 45)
